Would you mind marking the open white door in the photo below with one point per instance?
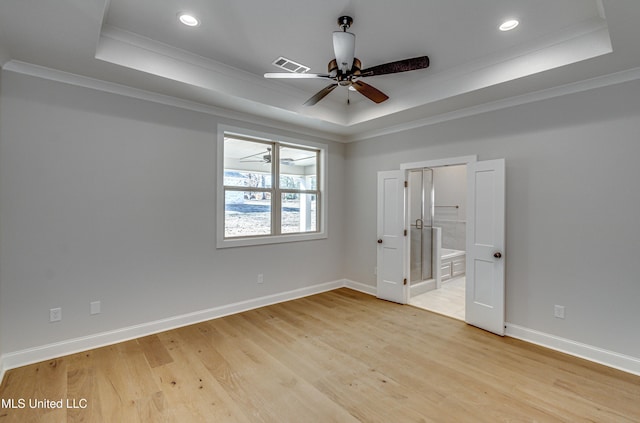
(485, 306)
(391, 240)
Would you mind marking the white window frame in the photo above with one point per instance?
(221, 241)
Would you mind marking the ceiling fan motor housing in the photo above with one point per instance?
(344, 78)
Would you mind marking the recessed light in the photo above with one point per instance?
(509, 25)
(188, 19)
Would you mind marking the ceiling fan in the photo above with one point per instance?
(346, 70)
(266, 158)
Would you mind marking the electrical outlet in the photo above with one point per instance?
(55, 314)
(558, 311)
(260, 278)
(95, 307)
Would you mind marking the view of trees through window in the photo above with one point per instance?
(254, 204)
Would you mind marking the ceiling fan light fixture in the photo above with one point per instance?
(188, 19)
(344, 45)
(508, 25)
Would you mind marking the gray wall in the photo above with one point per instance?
(572, 207)
(450, 189)
(109, 198)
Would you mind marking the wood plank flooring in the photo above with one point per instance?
(340, 356)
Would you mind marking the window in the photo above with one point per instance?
(271, 189)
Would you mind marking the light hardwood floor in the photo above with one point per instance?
(340, 356)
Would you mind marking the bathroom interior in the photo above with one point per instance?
(437, 213)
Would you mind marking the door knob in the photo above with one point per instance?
(379, 241)
(497, 254)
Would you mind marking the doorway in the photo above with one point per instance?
(437, 221)
(485, 225)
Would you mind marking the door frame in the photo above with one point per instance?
(405, 167)
(478, 251)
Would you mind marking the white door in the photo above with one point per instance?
(391, 239)
(485, 245)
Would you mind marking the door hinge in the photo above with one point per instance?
(405, 232)
(405, 281)
(406, 184)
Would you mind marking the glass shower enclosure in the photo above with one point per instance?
(421, 212)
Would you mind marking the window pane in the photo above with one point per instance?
(298, 168)
(247, 163)
(247, 213)
(299, 213)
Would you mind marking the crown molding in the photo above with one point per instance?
(114, 88)
(127, 91)
(532, 97)
(134, 51)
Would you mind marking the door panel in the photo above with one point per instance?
(485, 306)
(483, 287)
(484, 231)
(391, 246)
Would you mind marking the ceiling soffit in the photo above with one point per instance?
(587, 40)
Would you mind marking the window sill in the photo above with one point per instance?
(276, 239)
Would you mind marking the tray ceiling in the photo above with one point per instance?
(221, 62)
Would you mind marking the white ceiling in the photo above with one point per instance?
(140, 44)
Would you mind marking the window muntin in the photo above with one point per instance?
(253, 206)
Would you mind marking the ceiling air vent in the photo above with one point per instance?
(290, 65)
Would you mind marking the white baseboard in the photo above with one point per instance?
(422, 287)
(361, 287)
(46, 352)
(588, 352)
(71, 346)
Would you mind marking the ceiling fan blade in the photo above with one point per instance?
(302, 158)
(292, 162)
(406, 65)
(320, 95)
(284, 75)
(267, 151)
(370, 92)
